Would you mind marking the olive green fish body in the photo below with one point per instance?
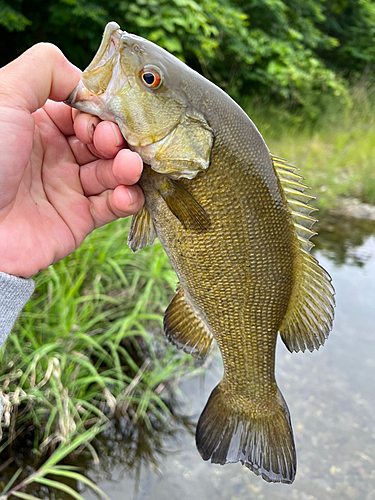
(238, 276)
(240, 271)
(235, 223)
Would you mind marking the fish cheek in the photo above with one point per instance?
(144, 118)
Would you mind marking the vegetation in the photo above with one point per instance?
(50, 467)
(288, 50)
(88, 346)
(334, 152)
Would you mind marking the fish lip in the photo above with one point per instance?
(112, 33)
(83, 99)
(72, 97)
(81, 94)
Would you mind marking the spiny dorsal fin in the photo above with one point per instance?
(185, 329)
(309, 317)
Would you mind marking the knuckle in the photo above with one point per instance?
(46, 49)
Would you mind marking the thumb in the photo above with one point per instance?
(40, 73)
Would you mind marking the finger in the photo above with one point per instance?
(108, 139)
(40, 73)
(61, 115)
(111, 205)
(100, 175)
(84, 126)
(81, 151)
(105, 137)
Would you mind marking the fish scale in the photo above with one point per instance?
(235, 223)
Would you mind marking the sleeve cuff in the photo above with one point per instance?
(14, 293)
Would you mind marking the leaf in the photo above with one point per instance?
(79, 477)
(11, 481)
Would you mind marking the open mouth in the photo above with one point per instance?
(102, 79)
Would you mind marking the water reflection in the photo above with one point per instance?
(330, 394)
(341, 239)
(126, 449)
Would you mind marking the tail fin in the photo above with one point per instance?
(263, 442)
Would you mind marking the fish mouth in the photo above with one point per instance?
(83, 99)
(110, 43)
(103, 78)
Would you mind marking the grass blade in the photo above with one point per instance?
(81, 478)
(59, 486)
(26, 496)
(11, 481)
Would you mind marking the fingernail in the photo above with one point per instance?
(118, 136)
(131, 196)
(140, 164)
(92, 128)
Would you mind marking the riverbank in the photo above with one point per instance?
(335, 151)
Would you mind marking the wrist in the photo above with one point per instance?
(16, 271)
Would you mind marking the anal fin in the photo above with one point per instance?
(142, 230)
(185, 329)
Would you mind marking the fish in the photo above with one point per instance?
(235, 222)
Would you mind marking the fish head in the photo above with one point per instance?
(138, 85)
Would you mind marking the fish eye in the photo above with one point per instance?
(151, 78)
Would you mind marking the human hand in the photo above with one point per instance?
(59, 179)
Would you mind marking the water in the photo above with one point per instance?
(330, 394)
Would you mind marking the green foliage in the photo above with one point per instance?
(12, 19)
(352, 24)
(289, 50)
(73, 442)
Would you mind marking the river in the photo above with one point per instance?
(330, 394)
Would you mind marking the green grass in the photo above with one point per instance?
(88, 345)
(334, 152)
(51, 468)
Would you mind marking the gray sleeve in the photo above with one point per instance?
(14, 293)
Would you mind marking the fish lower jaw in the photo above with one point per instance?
(83, 99)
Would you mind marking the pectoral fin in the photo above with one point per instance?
(185, 329)
(186, 150)
(142, 230)
(183, 205)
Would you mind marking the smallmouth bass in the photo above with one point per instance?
(235, 223)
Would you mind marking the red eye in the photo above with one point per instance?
(151, 78)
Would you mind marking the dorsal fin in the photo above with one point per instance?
(309, 317)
